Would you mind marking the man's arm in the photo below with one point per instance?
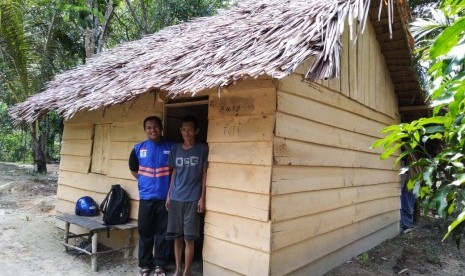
(201, 204)
(133, 164)
(167, 203)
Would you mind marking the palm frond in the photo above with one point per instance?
(15, 46)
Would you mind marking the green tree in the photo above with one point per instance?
(14, 144)
(439, 174)
(34, 45)
(40, 38)
(16, 54)
(133, 19)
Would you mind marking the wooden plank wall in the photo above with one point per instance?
(237, 222)
(125, 129)
(364, 77)
(332, 198)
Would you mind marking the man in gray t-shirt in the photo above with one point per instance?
(186, 196)
(189, 164)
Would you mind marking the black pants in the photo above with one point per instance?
(152, 221)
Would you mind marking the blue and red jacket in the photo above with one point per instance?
(154, 174)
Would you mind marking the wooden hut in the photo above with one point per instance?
(290, 108)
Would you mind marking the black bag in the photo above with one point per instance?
(115, 206)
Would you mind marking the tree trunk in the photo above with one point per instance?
(89, 41)
(135, 17)
(109, 11)
(40, 164)
(144, 16)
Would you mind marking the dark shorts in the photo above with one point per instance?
(183, 220)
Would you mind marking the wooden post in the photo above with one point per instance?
(94, 251)
(66, 238)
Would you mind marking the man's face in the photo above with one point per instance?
(188, 131)
(153, 130)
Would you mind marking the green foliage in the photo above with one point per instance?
(436, 145)
(448, 39)
(35, 43)
(420, 7)
(364, 257)
(15, 51)
(40, 38)
(51, 127)
(137, 18)
(14, 143)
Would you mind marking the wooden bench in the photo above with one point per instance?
(94, 225)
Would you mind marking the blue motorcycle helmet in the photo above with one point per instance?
(86, 206)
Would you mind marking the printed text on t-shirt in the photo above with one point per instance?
(188, 161)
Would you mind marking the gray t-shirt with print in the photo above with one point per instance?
(189, 164)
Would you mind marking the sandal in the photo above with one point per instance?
(144, 271)
(159, 271)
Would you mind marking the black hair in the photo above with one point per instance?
(153, 118)
(190, 118)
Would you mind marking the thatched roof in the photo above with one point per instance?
(250, 39)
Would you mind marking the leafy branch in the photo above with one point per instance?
(435, 146)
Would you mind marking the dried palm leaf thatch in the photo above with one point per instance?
(250, 39)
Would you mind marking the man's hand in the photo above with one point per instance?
(167, 203)
(201, 205)
(135, 174)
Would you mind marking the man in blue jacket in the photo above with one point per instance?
(148, 164)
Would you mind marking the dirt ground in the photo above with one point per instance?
(419, 252)
(30, 241)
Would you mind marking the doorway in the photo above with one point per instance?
(174, 111)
